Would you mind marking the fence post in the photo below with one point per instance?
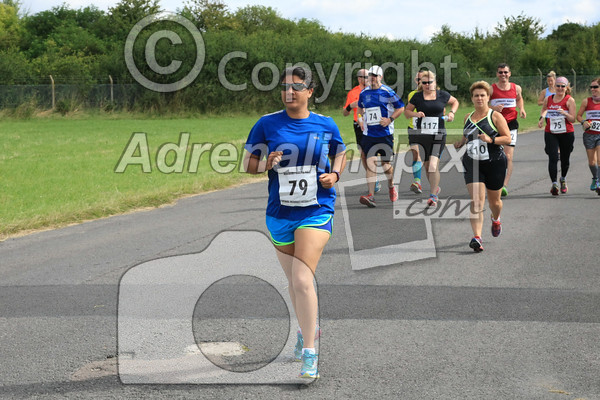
(53, 93)
(541, 79)
(574, 81)
(111, 90)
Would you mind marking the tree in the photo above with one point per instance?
(254, 18)
(11, 29)
(209, 15)
(127, 13)
(526, 28)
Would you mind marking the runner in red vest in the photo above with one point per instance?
(559, 112)
(506, 97)
(591, 131)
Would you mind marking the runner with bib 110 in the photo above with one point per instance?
(485, 133)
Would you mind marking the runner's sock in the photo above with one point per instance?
(416, 167)
(594, 171)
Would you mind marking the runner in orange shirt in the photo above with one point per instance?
(352, 104)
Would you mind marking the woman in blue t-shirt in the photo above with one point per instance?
(304, 155)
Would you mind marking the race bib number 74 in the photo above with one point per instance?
(373, 115)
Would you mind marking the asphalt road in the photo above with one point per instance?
(519, 321)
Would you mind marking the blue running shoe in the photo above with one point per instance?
(594, 184)
(300, 343)
(310, 361)
(377, 186)
(299, 346)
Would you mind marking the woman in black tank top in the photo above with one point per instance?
(484, 162)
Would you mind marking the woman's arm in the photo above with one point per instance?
(338, 163)
(254, 165)
(503, 137)
(580, 114)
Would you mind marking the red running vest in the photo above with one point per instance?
(508, 98)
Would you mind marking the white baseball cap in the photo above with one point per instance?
(376, 70)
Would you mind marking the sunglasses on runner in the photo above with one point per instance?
(594, 87)
(561, 86)
(296, 87)
(426, 82)
(503, 72)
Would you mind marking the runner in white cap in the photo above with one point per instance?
(379, 105)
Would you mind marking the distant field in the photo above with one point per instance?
(60, 170)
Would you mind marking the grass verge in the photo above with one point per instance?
(56, 170)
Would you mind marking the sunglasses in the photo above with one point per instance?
(426, 82)
(503, 72)
(561, 86)
(594, 87)
(296, 87)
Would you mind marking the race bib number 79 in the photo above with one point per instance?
(298, 186)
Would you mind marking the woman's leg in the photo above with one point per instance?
(592, 155)
(551, 149)
(495, 202)
(509, 151)
(308, 249)
(477, 193)
(566, 141)
(285, 254)
(433, 173)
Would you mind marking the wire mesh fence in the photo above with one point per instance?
(126, 95)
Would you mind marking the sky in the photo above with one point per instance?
(388, 19)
